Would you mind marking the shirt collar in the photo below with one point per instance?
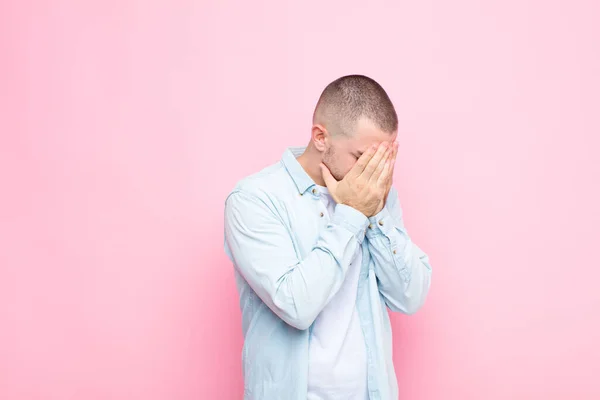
(301, 179)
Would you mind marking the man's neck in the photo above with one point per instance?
(310, 160)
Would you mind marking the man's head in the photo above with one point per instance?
(352, 113)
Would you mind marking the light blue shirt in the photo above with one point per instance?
(290, 260)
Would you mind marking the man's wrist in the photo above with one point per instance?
(380, 223)
(352, 219)
(353, 206)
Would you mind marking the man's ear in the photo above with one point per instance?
(320, 137)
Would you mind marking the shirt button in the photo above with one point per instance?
(380, 223)
(314, 191)
(370, 226)
(394, 252)
(321, 214)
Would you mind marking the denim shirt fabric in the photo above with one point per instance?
(290, 259)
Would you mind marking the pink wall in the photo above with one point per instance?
(125, 123)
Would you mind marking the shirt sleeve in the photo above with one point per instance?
(403, 270)
(262, 250)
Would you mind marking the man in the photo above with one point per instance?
(321, 252)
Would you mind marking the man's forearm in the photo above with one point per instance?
(402, 268)
(295, 290)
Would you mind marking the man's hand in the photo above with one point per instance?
(390, 175)
(366, 185)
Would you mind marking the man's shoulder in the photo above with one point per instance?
(271, 182)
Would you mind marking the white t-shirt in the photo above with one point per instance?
(337, 362)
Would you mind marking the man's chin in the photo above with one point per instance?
(338, 177)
